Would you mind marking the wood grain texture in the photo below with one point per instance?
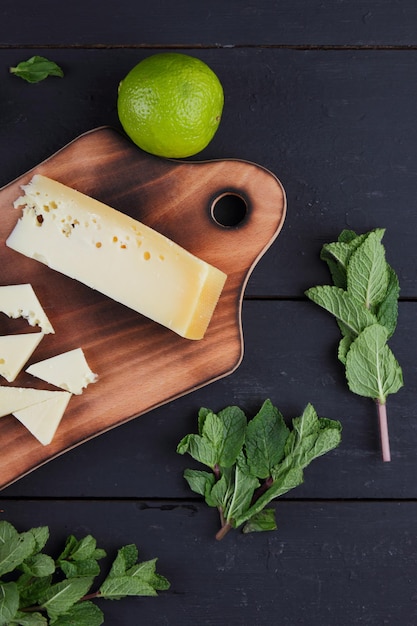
(140, 364)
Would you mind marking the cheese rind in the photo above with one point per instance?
(21, 301)
(15, 351)
(17, 398)
(69, 371)
(42, 420)
(116, 255)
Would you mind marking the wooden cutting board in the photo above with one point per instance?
(141, 365)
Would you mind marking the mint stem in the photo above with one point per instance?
(223, 531)
(383, 430)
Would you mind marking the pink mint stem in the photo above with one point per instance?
(383, 430)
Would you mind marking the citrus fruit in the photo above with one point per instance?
(170, 104)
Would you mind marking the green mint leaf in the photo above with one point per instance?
(36, 68)
(120, 586)
(260, 522)
(199, 448)
(146, 571)
(81, 614)
(202, 414)
(367, 276)
(221, 438)
(387, 311)
(14, 547)
(371, 368)
(38, 565)
(266, 435)
(233, 434)
(31, 589)
(79, 550)
(343, 348)
(241, 497)
(9, 602)
(125, 559)
(347, 236)
(41, 536)
(88, 567)
(30, 619)
(288, 479)
(60, 597)
(221, 490)
(199, 481)
(353, 316)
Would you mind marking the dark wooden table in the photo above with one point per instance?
(324, 94)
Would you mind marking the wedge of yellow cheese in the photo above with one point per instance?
(116, 255)
(15, 351)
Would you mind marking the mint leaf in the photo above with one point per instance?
(266, 435)
(41, 536)
(353, 316)
(81, 614)
(260, 522)
(367, 276)
(31, 589)
(36, 68)
(387, 311)
(371, 368)
(118, 587)
(9, 602)
(38, 565)
(14, 547)
(199, 481)
(60, 597)
(30, 619)
(221, 437)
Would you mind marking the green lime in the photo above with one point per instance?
(170, 104)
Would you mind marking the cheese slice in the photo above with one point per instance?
(17, 398)
(117, 255)
(15, 351)
(68, 370)
(21, 301)
(43, 419)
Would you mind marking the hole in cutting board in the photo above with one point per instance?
(229, 209)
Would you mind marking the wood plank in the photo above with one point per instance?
(328, 563)
(290, 357)
(213, 23)
(336, 127)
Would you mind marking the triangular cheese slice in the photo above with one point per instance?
(15, 351)
(16, 398)
(21, 301)
(42, 420)
(68, 370)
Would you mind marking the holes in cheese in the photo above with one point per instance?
(116, 255)
(69, 371)
(15, 351)
(21, 301)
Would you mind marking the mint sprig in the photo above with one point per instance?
(253, 462)
(36, 68)
(40, 590)
(364, 301)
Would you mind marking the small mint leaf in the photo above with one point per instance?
(36, 68)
